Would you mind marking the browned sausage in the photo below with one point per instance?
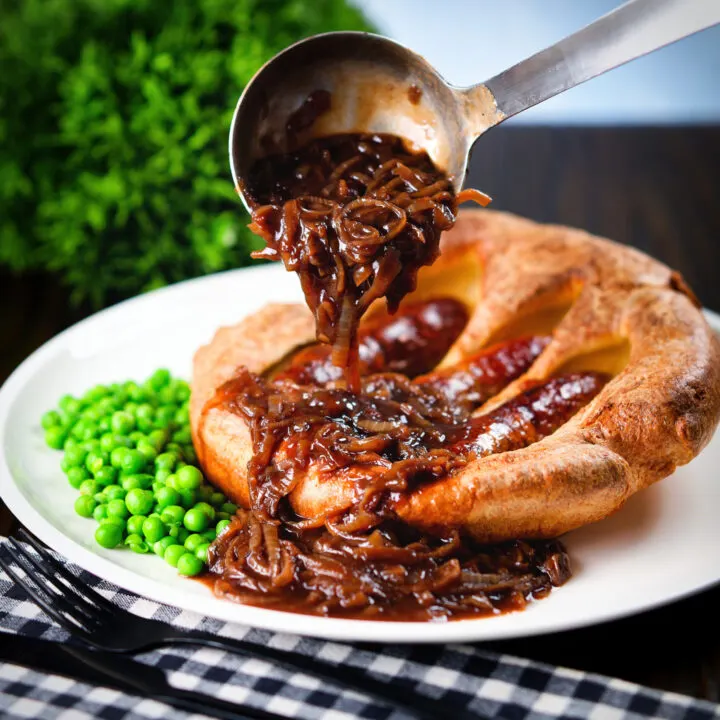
(410, 342)
(530, 416)
(478, 378)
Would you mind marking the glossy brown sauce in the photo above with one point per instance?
(414, 94)
(365, 412)
(392, 437)
(355, 216)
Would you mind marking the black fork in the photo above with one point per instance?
(97, 622)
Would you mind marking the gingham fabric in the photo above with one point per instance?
(495, 686)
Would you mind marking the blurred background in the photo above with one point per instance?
(469, 41)
(114, 116)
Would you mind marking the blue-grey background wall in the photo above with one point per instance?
(471, 40)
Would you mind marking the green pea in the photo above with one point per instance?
(92, 445)
(139, 501)
(107, 442)
(114, 492)
(89, 487)
(187, 498)
(118, 509)
(162, 475)
(189, 453)
(147, 450)
(136, 543)
(193, 541)
(70, 442)
(159, 379)
(153, 529)
(162, 545)
(164, 416)
(70, 405)
(196, 520)
(210, 535)
(217, 500)
(179, 533)
(50, 419)
(201, 552)
(171, 481)
(95, 460)
(85, 505)
(166, 496)
(189, 477)
(76, 476)
(189, 565)
(172, 515)
(92, 414)
(182, 436)
(122, 422)
(166, 461)
(174, 447)
(135, 524)
(113, 519)
(157, 438)
(108, 535)
(157, 485)
(110, 441)
(118, 455)
(141, 480)
(146, 411)
(133, 539)
(132, 462)
(107, 406)
(145, 426)
(55, 437)
(182, 416)
(74, 456)
(222, 516)
(138, 394)
(106, 475)
(172, 554)
(85, 430)
(208, 509)
(229, 508)
(182, 392)
(96, 393)
(141, 547)
(205, 492)
(221, 526)
(100, 512)
(166, 396)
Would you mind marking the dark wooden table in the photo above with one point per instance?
(654, 188)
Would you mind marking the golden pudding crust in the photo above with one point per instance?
(609, 307)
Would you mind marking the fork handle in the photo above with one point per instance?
(193, 702)
(634, 29)
(383, 692)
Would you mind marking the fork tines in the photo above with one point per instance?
(62, 595)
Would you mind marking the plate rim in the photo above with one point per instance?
(485, 629)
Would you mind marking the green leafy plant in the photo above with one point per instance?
(114, 117)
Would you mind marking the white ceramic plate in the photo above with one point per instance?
(660, 547)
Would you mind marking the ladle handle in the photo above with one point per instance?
(631, 30)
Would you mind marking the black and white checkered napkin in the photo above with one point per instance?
(496, 686)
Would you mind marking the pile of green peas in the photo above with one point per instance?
(129, 453)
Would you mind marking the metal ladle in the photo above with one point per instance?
(378, 85)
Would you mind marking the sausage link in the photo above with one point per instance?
(410, 342)
(530, 416)
(478, 378)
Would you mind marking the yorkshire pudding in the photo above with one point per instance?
(608, 308)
